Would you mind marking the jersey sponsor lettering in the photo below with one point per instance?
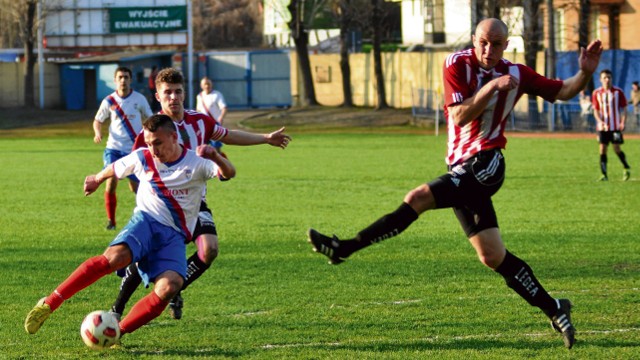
(169, 192)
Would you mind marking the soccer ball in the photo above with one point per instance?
(100, 329)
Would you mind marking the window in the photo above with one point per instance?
(434, 21)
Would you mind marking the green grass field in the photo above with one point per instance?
(268, 296)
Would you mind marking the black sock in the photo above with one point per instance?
(195, 268)
(519, 277)
(128, 286)
(384, 228)
(623, 159)
(603, 164)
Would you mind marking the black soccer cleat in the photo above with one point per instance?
(175, 307)
(561, 322)
(110, 226)
(326, 246)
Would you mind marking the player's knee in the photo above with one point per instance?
(208, 248)
(168, 286)
(420, 198)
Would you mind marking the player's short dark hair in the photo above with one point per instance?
(170, 76)
(123, 69)
(635, 83)
(158, 121)
(606, 71)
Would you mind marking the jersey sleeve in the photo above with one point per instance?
(594, 101)
(127, 165)
(456, 88)
(103, 111)
(538, 85)
(623, 99)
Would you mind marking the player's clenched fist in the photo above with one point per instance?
(90, 185)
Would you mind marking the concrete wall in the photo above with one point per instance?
(12, 89)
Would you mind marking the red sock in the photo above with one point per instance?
(110, 204)
(84, 275)
(145, 310)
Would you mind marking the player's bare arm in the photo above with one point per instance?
(473, 107)
(277, 138)
(97, 131)
(92, 182)
(588, 62)
(227, 170)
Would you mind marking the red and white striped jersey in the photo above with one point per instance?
(608, 104)
(463, 77)
(194, 129)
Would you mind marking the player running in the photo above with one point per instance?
(126, 108)
(481, 89)
(172, 180)
(194, 129)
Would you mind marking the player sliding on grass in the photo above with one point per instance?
(172, 180)
(194, 129)
(481, 89)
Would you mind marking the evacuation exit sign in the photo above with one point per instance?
(147, 19)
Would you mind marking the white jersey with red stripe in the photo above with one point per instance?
(194, 129)
(126, 115)
(463, 77)
(169, 192)
(608, 104)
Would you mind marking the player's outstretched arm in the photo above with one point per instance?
(588, 61)
(238, 137)
(227, 170)
(92, 182)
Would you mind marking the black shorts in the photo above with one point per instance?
(614, 137)
(468, 187)
(205, 224)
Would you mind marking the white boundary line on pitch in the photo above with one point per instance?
(434, 339)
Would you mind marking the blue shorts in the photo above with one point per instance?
(154, 246)
(215, 144)
(110, 156)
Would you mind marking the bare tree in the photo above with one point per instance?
(19, 28)
(532, 35)
(345, 16)
(350, 15)
(300, 38)
(376, 30)
(583, 32)
(227, 24)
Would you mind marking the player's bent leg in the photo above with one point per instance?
(415, 202)
(520, 278)
(90, 271)
(130, 282)
(151, 306)
(489, 247)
